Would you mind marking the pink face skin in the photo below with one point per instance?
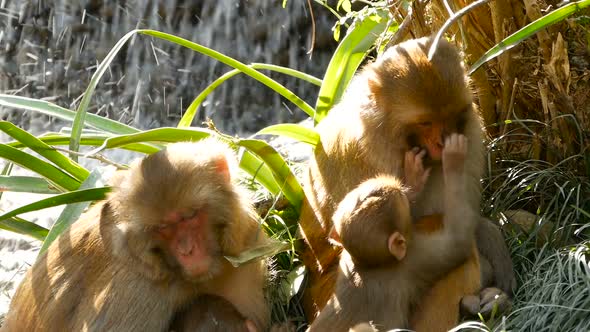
(187, 235)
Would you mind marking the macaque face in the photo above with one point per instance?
(179, 215)
(430, 131)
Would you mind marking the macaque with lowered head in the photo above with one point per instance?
(152, 247)
(400, 102)
(388, 262)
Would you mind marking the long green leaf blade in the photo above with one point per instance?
(70, 213)
(156, 135)
(191, 111)
(50, 109)
(66, 198)
(259, 171)
(295, 131)
(274, 85)
(83, 107)
(347, 58)
(280, 170)
(28, 184)
(21, 226)
(529, 30)
(91, 140)
(32, 142)
(55, 175)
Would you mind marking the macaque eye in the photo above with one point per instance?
(425, 124)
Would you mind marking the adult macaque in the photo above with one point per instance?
(154, 245)
(210, 313)
(401, 101)
(388, 263)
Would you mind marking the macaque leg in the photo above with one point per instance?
(439, 308)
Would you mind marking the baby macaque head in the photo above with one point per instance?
(373, 222)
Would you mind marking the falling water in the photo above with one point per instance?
(50, 49)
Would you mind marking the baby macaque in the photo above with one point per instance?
(152, 247)
(388, 263)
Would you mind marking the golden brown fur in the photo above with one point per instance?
(369, 132)
(110, 272)
(380, 289)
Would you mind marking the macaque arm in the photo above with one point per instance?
(445, 249)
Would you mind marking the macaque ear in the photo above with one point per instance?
(222, 167)
(375, 83)
(397, 245)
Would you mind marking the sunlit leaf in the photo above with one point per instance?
(529, 30)
(346, 60)
(33, 143)
(55, 175)
(267, 250)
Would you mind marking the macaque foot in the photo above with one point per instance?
(491, 303)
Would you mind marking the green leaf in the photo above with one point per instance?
(21, 226)
(27, 184)
(259, 171)
(191, 111)
(47, 108)
(267, 250)
(83, 107)
(274, 85)
(347, 58)
(156, 135)
(279, 168)
(32, 142)
(346, 6)
(70, 213)
(529, 30)
(295, 131)
(55, 175)
(91, 140)
(6, 170)
(66, 198)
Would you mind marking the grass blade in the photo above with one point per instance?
(6, 170)
(529, 30)
(346, 60)
(55, 175)
(32, 142)
(295, 131)
(70, 213)
(47, 108)
(75, 196)
(21, 226)
(28, 184)
(279, 168)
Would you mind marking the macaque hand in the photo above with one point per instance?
(414, 173)
(454, 155)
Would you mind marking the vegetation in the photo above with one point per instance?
(538, 162)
